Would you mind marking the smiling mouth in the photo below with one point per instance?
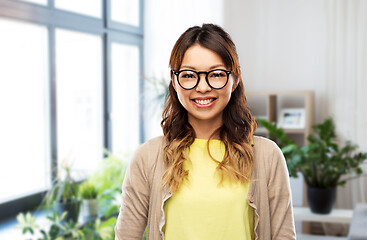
(204, 102)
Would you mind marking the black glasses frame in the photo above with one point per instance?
(199, 73)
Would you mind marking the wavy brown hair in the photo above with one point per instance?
(238, 123)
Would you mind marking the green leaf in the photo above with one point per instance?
(112, 210)
(45, 236)
(26, 223)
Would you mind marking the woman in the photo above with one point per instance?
(208, 177)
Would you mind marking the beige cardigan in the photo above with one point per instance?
(143, 197)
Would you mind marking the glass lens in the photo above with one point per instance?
(217, 78)
(188, 79)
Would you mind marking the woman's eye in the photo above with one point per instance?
(217, 75)
(187, 75)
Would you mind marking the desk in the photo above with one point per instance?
(336, 216)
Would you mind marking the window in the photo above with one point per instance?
(125, 97)
(79, 100)
(24, 104)
(125, 11)
(61, 77)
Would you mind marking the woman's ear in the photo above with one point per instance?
(173, 80)
(235, 84)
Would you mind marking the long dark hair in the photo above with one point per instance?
(238, 123)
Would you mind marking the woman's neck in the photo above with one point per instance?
(204, 129)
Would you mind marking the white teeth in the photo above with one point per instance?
(204, 102)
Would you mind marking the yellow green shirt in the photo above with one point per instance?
(204, 210)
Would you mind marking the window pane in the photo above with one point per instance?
(24, 145)
(87, 7)
(125, 97)
(125, 11)
(79, 100)
(42, 2)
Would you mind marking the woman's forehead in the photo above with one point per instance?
(197, 57)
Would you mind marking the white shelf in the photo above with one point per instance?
(268, 105)
(336, 215)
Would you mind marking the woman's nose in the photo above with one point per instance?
(203, 86)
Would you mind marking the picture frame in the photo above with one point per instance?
(292, 118)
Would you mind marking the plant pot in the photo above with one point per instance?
(72, 207)
(90, 209)
(321, 200)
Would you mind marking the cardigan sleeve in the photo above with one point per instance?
(280, 198)
(132, 219)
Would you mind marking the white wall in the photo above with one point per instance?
(319, 45)
(281, 44)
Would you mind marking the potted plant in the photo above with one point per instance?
(108, 181)
(63, 195)
(89, 195)
(55, 228)
(323, 162)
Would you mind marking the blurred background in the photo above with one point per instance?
(81, 77)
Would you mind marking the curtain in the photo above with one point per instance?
(347, 88)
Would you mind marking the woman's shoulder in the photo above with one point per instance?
(269, 158)
(154, 142)
(266, 147)
(264, 142)
(148, 152)
(151, 146)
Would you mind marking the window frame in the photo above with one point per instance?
(122, 26)
(128, 40)
(110, 32)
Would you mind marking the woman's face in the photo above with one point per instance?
(204, 104)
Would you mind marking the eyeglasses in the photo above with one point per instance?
(189, 79)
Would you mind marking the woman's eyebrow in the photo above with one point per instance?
(186, 66)
(216, 66)
(193, 68)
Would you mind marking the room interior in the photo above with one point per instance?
(63, 86)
